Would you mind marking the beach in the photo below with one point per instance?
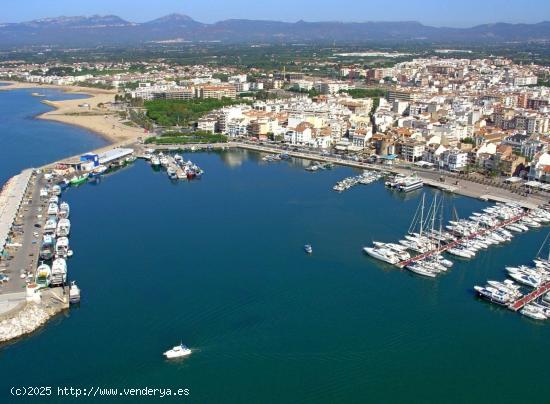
(86, 113)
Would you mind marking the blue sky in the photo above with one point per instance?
(432, 12)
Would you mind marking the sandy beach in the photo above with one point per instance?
(86, 113)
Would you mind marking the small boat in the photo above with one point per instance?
(64, 210)
(56, 190)
(533, 312)
(43, 274)
(177, 352)
(78, 179)
(308, 249)
(74, 293)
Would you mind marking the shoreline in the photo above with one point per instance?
(84, 113)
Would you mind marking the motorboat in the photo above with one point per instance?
(63, 228)
(410, 184)
(59, 272)
(461, 252)
(533, 312)
(493, 295)
(47, 247)
(64, 210)
(78, 179)
(382, 254)
(62, 247)
(52, 209)
(525, 279)
(178, 351)
(420, 269)
(51, 226)
(507, 286)
(74, 293)
(43, 275)
(56, 190)
(308, 249)
(155, 161)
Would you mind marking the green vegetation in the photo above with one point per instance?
(366, 92)
(187, 138)
(183, 113)
(311, 93)
(469, 140)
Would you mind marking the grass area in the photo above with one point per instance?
(187, 138)
(183, 113)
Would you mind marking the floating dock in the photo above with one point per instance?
(535, 294)
(453, 244)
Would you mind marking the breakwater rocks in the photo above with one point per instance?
(27, 320)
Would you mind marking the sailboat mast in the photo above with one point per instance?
(422, 214)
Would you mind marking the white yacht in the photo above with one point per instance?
(59, 272)
(155, 161)
(493, 295)
(63, 228)
(53, 209)
(410, 184)
(533, 312)
(74, 293)
(51, 226)
(177, 352)
(382, 254)
(64, 210)
(62, 247)
(525, 279)
(507, 286)
(420, 269)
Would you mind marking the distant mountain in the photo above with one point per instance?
(110, 30)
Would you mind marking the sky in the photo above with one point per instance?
(453, 13)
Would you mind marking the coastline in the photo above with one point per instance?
(100, 120)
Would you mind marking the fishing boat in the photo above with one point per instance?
(43, 274)
(52, 209)
(64, 211)
(56, 190)
(178, 351)
(97, 171)
(155, 161)
(62, 247)
(51, 226)
(63, 228)
(74, 293)
(78, 180)
(47, 247)
(59, 272)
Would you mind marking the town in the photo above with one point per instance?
(484, 116)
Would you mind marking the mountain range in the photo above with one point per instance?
(112, 30)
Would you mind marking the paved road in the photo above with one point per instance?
(25, 257)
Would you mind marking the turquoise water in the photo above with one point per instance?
(28, 142)
(218, 263)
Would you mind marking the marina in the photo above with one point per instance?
(335, 265)
(462, 238)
